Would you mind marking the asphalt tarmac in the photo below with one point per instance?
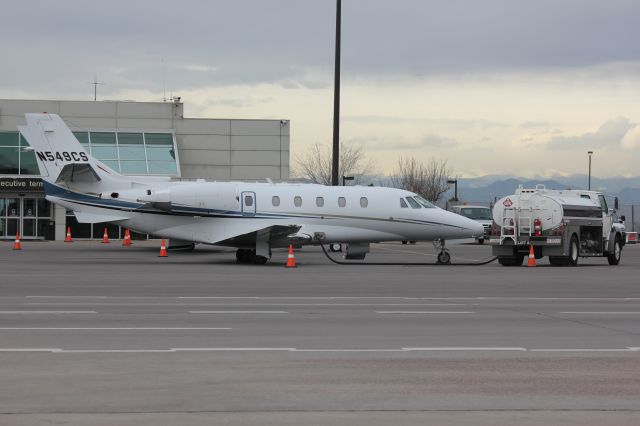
(100, 334)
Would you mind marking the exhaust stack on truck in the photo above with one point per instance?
(562, 224)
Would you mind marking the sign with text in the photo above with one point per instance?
(20, 185)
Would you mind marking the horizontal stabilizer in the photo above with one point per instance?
(84, 217)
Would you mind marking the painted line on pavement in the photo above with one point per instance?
(113, 328)
(424, 312)
(308, 350)
(45, 312)
(238, 312)
(600, 313)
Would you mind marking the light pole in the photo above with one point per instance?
(590, 154)
(346, 178)
(455, 182)
(336, 101)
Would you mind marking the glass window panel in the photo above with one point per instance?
(12, 227)
(83, 137)
(319, 201)
(403, 203)
(158, 167)
(13, 207)
(23, 141)
(297, 201)
(28, 227)
(113, 231)
(342, 201)
(46, 229)
(131, 152)
(130, 139)
(9, 139)
(112, 164)
(158, 139)
(29, 207)
(364, 202)
(28, 164)
(3, 228)
(3, 206)
(134, 167)
(105, 152)
(160, 154)
(275, 200)
(9, 158)
(103, 138)
(44, 208)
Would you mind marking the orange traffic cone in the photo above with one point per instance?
(291, 259)
(127, 238)
(532, 257)
(17, 245)
(68, 237)
(105, 236)
(163, 250)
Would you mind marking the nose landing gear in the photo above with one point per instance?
(444, 257)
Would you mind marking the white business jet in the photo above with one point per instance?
(252, 217)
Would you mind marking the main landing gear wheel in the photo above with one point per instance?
(247, 256)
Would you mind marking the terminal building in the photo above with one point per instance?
(134, 138)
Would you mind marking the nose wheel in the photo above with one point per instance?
(444, 257)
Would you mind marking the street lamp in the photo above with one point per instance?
(345, 178)
(590, 154)
(455, 182)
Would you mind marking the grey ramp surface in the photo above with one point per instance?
(350, 345)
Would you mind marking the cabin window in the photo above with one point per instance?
(603, 203)
(248, 200)
(297, 201)
(403, 203)
(364, 202)
(342, 201)
(319, 201)
(413, 203)
(275, 200)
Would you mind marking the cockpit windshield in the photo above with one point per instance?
(477, 213)
(413, 203)
(424, 202)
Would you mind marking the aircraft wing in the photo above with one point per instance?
(274, 233)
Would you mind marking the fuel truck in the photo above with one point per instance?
(561, 224)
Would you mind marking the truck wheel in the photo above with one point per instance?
(614, 258)
(480, 241)
(572, 260)
(518, 260)
(507, 261)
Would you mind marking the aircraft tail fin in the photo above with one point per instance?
(62, 159)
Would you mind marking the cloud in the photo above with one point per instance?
(428, 141)
(610, 133)
(631, 139)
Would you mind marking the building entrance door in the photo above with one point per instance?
(32, 217)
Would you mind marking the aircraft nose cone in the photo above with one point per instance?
(476, 229)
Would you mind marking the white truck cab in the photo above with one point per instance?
(480, 214)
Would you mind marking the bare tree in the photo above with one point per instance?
(316, 164)
(428, 181)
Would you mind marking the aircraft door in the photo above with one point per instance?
(248, 203)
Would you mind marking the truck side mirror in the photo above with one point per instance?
(623, 218)
(616, 203)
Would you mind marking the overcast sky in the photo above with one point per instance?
(493, 87)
